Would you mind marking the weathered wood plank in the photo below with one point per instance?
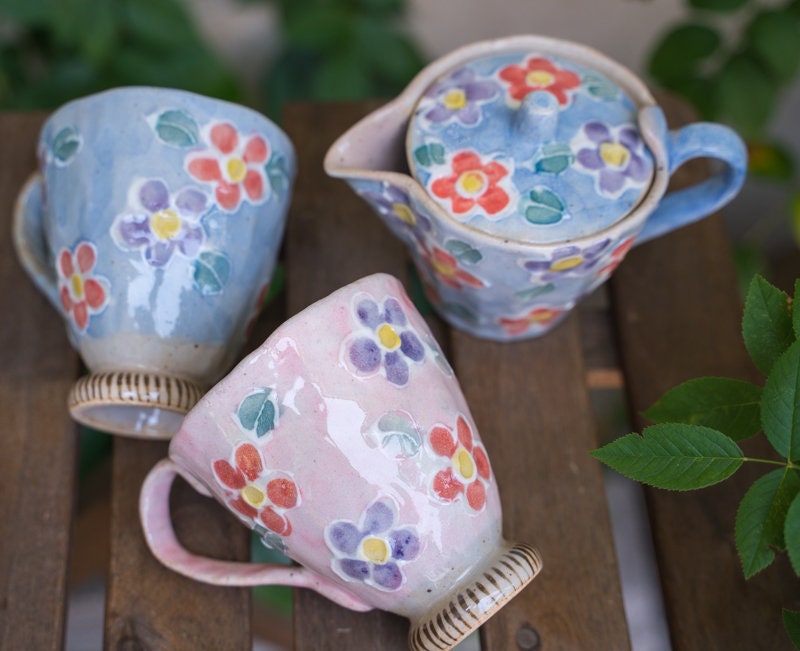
(38, 463)
(678, 314)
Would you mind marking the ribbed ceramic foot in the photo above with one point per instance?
(477, 600)
(131, 403)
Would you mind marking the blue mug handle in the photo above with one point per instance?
(699, 140)
(29, 239)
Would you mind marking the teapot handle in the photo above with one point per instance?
(161, 539)
(699, 140)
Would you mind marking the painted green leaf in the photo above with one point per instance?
(399, 435)
(278, 175)
(767, 323)
(258, 412)
(761, 517)
(600, 87)
(526, 295)
(545, 207)
(791, 534)
(791, 622)
(730, 406)
(430, 154)
(674, 456)
(212, 270)
(177, 128)
(780, 404)
(66, 144)
(554, 159)
(463, 251)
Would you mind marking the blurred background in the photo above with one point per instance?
(734, 61)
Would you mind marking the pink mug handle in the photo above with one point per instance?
(160, 537)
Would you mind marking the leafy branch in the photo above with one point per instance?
(699, 423)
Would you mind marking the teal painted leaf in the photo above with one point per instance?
(212, 271)
(674, 456)
(544, 207)
(399, 435)
(780, 404)
(554, 159)
(767, 323)
(730, 406)
(177, 128)
(278, 175)
(463, 251)
(66, 144)
(761, 517)
(526, 295)
(791, 622)
(258, 412)
(600, 87)
(791, 534)
(431, 154)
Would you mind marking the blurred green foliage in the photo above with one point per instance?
(52, 51)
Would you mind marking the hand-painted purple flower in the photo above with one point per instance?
(161, 224)
(616, 157)
(372, 552)
(568, 261)
(391, 341)
(394, 206)
(458, 96)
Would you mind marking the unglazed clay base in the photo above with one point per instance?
(138, 404)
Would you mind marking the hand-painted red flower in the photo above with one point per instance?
(473, 183)
(255, 495)
(615, 258)
(234, 166)
(469, 470)
(539, 74)
(446, 268)
(541, 316)
(82, 294)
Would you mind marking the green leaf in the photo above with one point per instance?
(177, 128)
(258, 412)
(744, 96)
(554, 159)
(791, 622)
(780, 404)
(681, 51)
(66, 144)
(791, 534)
(673, 456)
(766, 324)
(794, 217)
(278, 175)
(718, 5)
(322, 27)
(761, 517)
(544, 207)
(430, 154)
(774, 37)
(796, 302)
(212, 270)
(399, 435)
(730, 406)
(463, 251)
(526, 295)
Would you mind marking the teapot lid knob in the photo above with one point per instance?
(536, 121)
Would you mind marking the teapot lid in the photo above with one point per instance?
(529, 146)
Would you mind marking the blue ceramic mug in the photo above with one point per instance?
(153, 227)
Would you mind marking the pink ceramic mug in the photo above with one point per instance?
(345, 441)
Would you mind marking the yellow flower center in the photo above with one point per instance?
(165, 224)
(237, 169)
(472, 182)
(77, 285)
(566, 263)
(455, 99)
(388, 337)
(539, 78)
(615, 154)
(443, 268)
(404, 213)
(253, 496)
(463, 463)
(375, 550)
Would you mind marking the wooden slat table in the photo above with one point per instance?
(674, 314)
